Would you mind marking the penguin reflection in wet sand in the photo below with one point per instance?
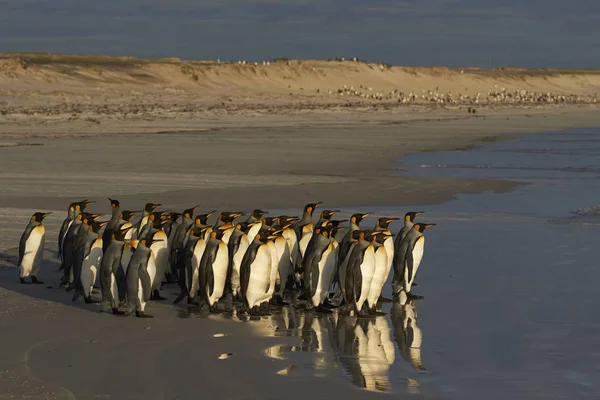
(406, 332)
(409, 258)
(139, 282)
(31, 248)
(113, 283)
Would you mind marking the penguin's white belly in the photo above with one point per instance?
(114, 290)
(227, 235)
(292, 242)
(34, 249)
(367, 268)
(273, 272)
(237, 263)
(379, 276)
(130, 233)
(389, 247)
(141, 296)
(151, 268)
(284, 263)
(260, 272)
(322, 288)
(304, 242)
(90, 266)
(161, 252)
(219, 266)
(253, 231)
(417, 255)
(195, 263)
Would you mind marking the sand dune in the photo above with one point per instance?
(47, 90)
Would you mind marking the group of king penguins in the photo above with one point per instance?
(251, 262)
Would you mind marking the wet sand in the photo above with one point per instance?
(55, 349)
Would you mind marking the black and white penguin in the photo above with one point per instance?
(190, 257)
(359, 274)
(409, 221)
(88, 258)
(148, 209)
(213, 269)
(171, 226)
(226, 217)
(31, 248)
(409, 258)
(318, 266)
(326, 215)
(347, 241)
(382, 225)
(237, 242)
(255, 272)
(112, 224)
(381, 270)
(74, 209)
(256, 215)
(304, 228)
(159, 260)
(73, 239)
(139, 282)
(113, 283)
(177, 242)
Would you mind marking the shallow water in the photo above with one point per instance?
(511, 307)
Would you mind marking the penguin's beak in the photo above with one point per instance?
(392, 219)
(420, 212)
(46, 214)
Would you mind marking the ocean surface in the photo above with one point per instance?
(512, 306)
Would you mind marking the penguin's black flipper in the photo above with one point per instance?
(314, 276)
(146, 284)
(210, 279)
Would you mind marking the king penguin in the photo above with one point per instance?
(190, 257)
(148, 208)
(112, 276)
(238, 245)
(256, 215)
(213, 269)
(177, 245)
(304, 229)
(318, 268)
(382, 225)
(72, 212)
(358, 275)
(409, 221)
(160, 254)
(31, 248)
(88, 258)
(255, 272)
(112, 225)
(347, 241)
(381, 270)
(72, 242)
(326, 215)
(409, 258)
(139, 283)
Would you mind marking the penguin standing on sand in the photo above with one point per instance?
(139, 284)
(88, 258)
(382, 225)
(318, 268)
(72, 240)
(187, 221)
(31, 248)
(190, 257)
(232, 248)
(213, 269)
(347, 241)
(359, 274)
(409, 222)
(409, 258)
(255, 272)
(381, 270)
(304, 228)
(238, 245)
(160, 251)
(112, 224)
(74, 209)
(112, 276)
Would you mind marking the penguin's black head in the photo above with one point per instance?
(189, 213)
(203, 218)
(310, 207)
(327, 214)
(285, 220)
(357, 234)
(337, 223)
(229, 216)
(95, 226)
(149, 207)
(422, 226)
(257, 214)
(39, 217)
(384, 222)
(271, 221)
(410, 216)
(358, 217)
(263, 236)
(242, 226)
(126, 215)
(114, 203)
(335, 230)
(198, 231)
(174, 216)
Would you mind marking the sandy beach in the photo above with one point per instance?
(227, 136)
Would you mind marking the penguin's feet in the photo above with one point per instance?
(323, 310)
(141, 314)
(255, 311)
(70, 287)
(116, 311)
(214, 309)
(414, 296)
(34, 280)
(192, 301)
(156, 296)
(264, 308)
(89, 300)
(23, 281)
(328, 304)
